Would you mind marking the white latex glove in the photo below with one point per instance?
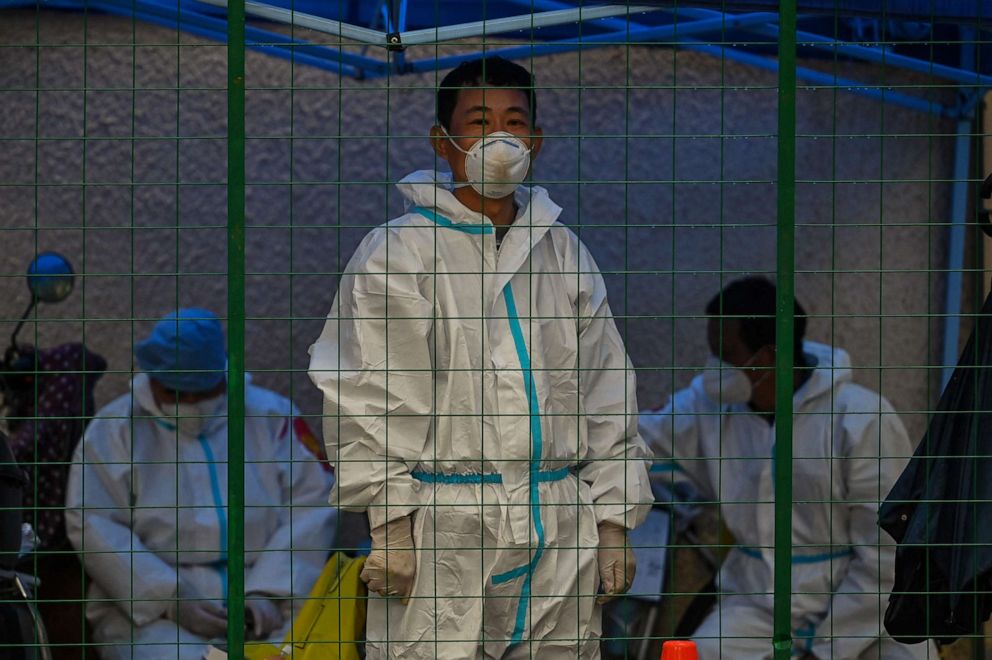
(616, 561)
(199, 616)
(392, 565)
(266, 618)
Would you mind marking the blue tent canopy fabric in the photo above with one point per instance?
(558, 26)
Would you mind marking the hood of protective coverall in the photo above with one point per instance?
(832, 367)
(433, 190)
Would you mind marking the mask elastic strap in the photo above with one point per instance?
(453, 143)
(455, 184)
(497, 136)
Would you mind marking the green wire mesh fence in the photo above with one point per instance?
(236, 161)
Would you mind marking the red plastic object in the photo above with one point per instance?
(679, 650)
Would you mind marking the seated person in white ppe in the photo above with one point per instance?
(479, 401)
(849, 447)
(147, 502)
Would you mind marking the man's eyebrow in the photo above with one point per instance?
(485, 108)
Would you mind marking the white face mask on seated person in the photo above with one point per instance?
(496, 164)
(192, 418)
(729, 384)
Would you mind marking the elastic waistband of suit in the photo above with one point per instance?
(755, 553)
(544, 476)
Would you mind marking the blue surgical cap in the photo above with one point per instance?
(185, 351)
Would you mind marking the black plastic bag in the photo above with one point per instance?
(940, 509)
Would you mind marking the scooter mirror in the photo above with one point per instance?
(50, 278)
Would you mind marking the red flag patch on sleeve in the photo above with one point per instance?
(309, 440)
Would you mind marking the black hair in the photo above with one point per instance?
(485, 71)
(753, 300)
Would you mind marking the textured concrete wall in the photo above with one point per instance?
(669, 181)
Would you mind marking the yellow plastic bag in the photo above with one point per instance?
(332, 621)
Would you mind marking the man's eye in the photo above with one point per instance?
(479, 122)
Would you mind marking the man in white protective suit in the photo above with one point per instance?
(147, 502)
(479, 402)
(849, 447)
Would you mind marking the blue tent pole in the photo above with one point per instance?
(274, 51)
(824, 79)
(642, 34)
(529, 21)
(669, 31)
(635, 35)
(861, 52)
(399, 58)
(865, 53)
(299, 19)
(967, 107)
(551, 5)
(955, 251)
(216, 28)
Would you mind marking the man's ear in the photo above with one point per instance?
(439, 141)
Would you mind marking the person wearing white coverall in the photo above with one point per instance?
(849, 447)
(147, 503)
(480, 404)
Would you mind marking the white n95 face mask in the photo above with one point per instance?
(192, 418)
(496, 164)
(725, 383)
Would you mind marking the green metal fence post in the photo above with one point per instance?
(236, 325)
(785, 269)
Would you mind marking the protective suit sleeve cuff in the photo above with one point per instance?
(274, 581)
(144, 612)
(626, 515)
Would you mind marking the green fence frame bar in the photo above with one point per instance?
(236, 327)
(784, 342)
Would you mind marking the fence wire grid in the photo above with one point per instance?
(704, 336)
